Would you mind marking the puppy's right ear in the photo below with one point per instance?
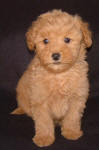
(84, 27)
(30, 37)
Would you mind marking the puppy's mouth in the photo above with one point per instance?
(56, 63)
(58, 66)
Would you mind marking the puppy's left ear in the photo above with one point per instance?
(84, 27)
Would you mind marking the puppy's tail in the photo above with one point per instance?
(17, 111)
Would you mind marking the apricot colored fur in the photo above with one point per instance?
(52, 92)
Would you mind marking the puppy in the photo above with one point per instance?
(54, 88)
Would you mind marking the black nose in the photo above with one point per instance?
(56, 56)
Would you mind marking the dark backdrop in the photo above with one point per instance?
(15, 17)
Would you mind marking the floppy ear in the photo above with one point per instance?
(30, 37)
(85, 31)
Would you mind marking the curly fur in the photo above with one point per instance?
(50, 92)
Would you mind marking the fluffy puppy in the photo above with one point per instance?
(54, 88)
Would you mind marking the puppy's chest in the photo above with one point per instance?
(57, 98)
(55, 92)
(52, 87)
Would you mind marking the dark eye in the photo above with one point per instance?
(45, 41)
(67, 40)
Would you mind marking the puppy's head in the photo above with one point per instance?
(58, 39)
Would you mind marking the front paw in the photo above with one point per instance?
(72, 134)
(44, 140)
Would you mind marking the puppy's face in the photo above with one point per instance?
(59, 48)
(58, 39)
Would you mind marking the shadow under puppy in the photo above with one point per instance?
(55, 86)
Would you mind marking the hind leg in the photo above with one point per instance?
(18, 111)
